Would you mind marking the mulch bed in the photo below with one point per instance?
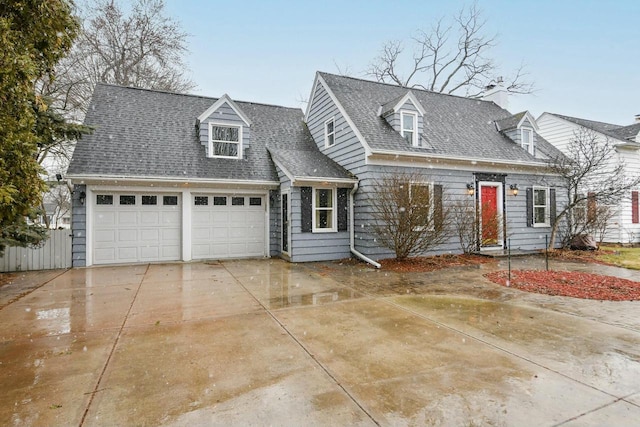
(570, 283)
(432, 263)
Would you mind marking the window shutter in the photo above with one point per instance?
(529, 200)
(437, 205)
(343, 208)
(305, 199)
(591, 207)
(552, 206)
(635, 214)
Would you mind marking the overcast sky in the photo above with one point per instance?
(584, 56)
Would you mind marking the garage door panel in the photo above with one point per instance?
(106, 218)
(150, 218)
(150, 235)
(171, 217)
(136, 233)
(127, 218)
(233, 231)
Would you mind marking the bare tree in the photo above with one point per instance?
(409, 217)
(451, 57)
(465, 226)
(141, 48)
(591, 172)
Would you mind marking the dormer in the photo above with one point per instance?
(224, 130)
(521, 128)
(405, 114)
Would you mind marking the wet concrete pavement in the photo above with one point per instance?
(265, 342)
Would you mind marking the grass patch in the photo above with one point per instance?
(620, 256)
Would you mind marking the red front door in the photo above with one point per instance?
(490, 217)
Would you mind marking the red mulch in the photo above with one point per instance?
(432, 263)
(570, 283)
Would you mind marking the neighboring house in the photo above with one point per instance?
(559, 130)
(169, 177)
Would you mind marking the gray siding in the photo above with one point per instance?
(314, 246)
(454, 188)
(275, 223)
(79, 228)
(224, 114)
(347, 151)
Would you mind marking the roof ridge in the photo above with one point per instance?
(405, 87)
(586, 120)
(191, 95)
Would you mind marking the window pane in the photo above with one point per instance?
(324, 198)
(201, 200)
(149, 200)
(170, 200)
(330, 127)
(255, 201)
(539, 197)
(407, 122)
(539, 215)
(223, 133)
(219, 201)
(237, 201)
(104, 199)
(408, 135)
(127, 200)
(526, 136)
(229, 149)
(323, 219)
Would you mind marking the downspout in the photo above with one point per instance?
(352, 234)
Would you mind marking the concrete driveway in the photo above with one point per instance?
(265, 342)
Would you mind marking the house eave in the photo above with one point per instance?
(439, 159)
(176, 182)
(304, 180)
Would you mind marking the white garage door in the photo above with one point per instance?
(227, 226)
(133, 227)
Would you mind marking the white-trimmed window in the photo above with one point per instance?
(409, 127)
(526, 139)
(541, 207)
(421, 197)
(329, 133)
(323, 208)
(225, 141)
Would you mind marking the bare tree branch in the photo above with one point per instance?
(443, 63)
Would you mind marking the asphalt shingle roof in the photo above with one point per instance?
(453, 125)
(146, 133)
(510, 122)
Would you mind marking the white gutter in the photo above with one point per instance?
(352, 234)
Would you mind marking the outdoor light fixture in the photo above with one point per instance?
(82, 198)
(514, 189)
(470, 189)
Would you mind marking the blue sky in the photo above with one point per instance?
(584, 56)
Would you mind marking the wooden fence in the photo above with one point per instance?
(56, 253)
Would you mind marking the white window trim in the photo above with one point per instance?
(334, 210)
(211, 141)
(326, 135)
(547, 207)
(414, 117)
(522, 132)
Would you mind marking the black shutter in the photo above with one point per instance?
(343, 208)
(305, 199)
(529, 207)
(437, 205)
(552, 206)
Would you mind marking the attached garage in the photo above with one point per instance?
(228, 226)
(136, 227)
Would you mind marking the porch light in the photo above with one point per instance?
(514, 189)
(470, 189)
(82, 198)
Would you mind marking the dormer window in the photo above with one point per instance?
(329, 133)
(225, 140)
(409, 127)
(527, 139)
